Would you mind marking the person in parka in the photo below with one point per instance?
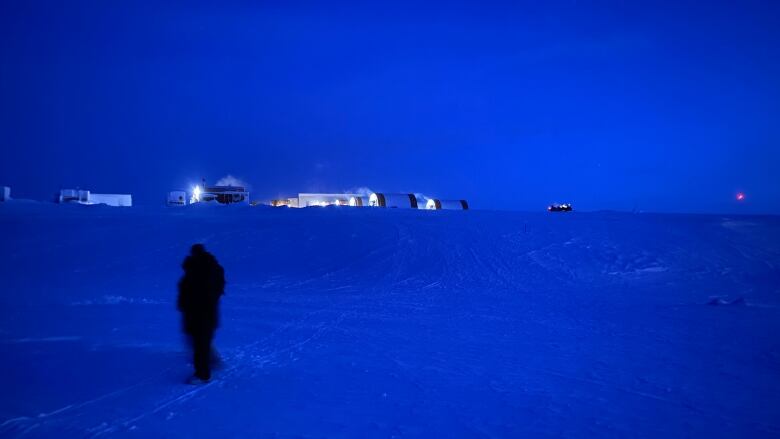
(200, 289)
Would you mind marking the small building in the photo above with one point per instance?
(177, 198)
(222, 194)
(86, 197)
(400, 201)
(436, 204)
(73, 196)
(5, 193)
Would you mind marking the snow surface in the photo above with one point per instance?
(345, 322)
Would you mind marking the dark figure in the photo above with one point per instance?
(199, 291)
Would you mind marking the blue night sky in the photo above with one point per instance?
(659, 107)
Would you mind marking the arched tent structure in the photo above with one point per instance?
(401, 201)
(358, 201)
(435, 204)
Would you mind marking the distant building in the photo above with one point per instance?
(322, 200)
(376, 199)
(5, 193)
(86, 197)
(222, 194)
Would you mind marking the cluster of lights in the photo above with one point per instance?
(195, 195)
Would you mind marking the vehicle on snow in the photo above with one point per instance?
(565, 207)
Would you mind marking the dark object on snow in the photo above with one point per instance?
(716, 301)
(200, 288)
(565, 207)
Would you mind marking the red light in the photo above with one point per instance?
(740, 196)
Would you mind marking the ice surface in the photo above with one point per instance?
(388, 323)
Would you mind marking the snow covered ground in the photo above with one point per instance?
(391, 323)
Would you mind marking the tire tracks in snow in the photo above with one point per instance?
(244, 359)
(238, 368)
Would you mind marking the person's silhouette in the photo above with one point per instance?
(200, 288)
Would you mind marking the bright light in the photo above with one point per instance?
(740, 196)
(195, 195)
